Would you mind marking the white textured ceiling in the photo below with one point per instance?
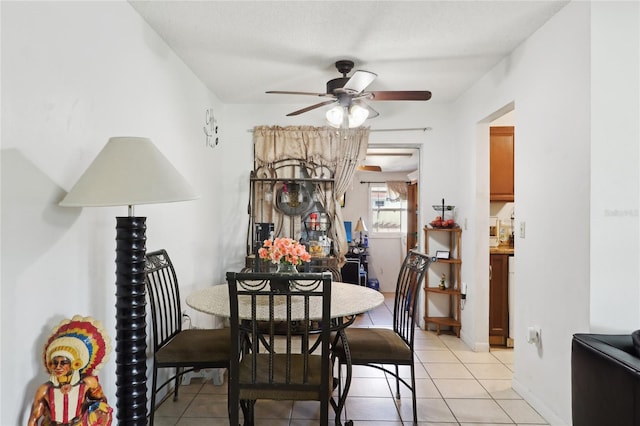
(240, 49)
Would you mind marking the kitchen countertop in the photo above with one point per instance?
(502, 249)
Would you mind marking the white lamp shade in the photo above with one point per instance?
(129, 171)
(360, 226)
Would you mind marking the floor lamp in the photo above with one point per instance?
(130, 171)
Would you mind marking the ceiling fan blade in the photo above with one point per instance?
(309, 108)
(369, 168)
(359, 80)
(285, 92)
(401, 95)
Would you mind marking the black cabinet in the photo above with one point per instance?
(356, 269)
(361, 256)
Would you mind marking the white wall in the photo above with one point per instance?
(615, 178)
(73, 75)
(549, 79)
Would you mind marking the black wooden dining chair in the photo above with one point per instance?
(381, 347)
(174, 347)
(267, 362)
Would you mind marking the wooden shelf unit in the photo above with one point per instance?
(444, 239)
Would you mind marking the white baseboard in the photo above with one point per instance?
(542, 408)
(474, 346)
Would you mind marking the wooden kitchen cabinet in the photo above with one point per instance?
(443, 239)
(501, 163)
(498, 299)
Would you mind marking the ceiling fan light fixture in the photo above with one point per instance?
(355, 114)
(335, 116)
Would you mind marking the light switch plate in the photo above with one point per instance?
(522, 229)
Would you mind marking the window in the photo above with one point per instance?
(388, 210)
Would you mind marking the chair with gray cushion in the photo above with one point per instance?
(269, 362)
(173, 347)
(381, 347)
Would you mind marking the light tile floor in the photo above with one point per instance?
(455, 386)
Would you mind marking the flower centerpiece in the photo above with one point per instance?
(287, 253)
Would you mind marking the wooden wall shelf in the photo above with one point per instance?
(436, 239)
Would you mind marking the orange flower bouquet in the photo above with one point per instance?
(284, 251)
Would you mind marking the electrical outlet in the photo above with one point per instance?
(522, 229)
(463, 291)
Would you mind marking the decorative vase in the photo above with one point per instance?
(287, 268)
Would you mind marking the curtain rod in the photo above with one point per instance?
(407, 129)
(370, 181)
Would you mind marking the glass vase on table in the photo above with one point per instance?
(287, 268)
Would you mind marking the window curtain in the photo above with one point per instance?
(398, 190)
(340, 151)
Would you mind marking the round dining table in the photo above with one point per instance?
(346, 300)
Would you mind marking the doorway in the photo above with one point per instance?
(501, 314)
(404, 163)
(387, 242)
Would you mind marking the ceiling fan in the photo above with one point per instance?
(349, 94)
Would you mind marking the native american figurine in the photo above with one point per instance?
(72, 355)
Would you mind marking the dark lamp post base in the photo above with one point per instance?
(131, 336)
